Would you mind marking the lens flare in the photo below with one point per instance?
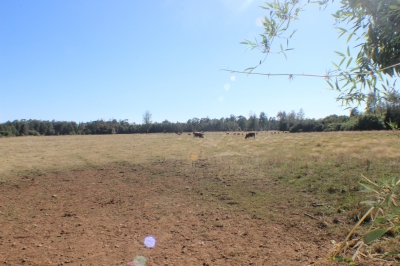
(227, 87)
(150, 241)
(138, 261)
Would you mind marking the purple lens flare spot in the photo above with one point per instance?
(150, 241)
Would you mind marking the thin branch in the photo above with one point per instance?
(269, 74)
(389, 67)
(309, 75)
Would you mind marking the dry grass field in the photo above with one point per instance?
(277, 200)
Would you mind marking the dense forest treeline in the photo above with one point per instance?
(372, 119)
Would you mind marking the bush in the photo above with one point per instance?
(306, 126)
(333, 127)
(33, 133)
(363, 122)
(370, 122)
(5, 133)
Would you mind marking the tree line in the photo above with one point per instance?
(374, 118)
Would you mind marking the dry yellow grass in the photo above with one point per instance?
(71, 152)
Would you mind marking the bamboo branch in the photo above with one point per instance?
(308, 75)
(352, 231)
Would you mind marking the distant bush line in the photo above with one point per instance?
(291, 122)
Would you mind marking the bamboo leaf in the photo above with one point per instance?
(348, 62)
(369, 202)
(369, 188)
(341, 62)
(379, 6)
(340, 35)
(339, 53)
(339, 259)
(380, 220)
(292, 33)
(391, 253)
(342, 29)
(336, 65)
(371, 236)
(349, 38)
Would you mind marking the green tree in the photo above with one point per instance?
(291, 117)
(195, 124)
(252, 122)
(242, 122)
(300, 115)
(263, 120)
(24, 129)
(147, 121)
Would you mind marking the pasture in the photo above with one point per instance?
(278, 199)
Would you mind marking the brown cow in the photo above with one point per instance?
(198, 135)
(249, 135)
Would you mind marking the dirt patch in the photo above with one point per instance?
(102, 216)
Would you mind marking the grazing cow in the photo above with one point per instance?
(198, 135)
(249, 135)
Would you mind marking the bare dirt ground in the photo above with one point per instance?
(101, 217)
(277, 200)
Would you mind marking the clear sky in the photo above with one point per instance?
(83, 60)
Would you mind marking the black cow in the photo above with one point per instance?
(198, 135)
(249, 135)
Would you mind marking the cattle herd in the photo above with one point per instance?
(247, 135)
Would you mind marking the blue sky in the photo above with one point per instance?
(87, 60)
